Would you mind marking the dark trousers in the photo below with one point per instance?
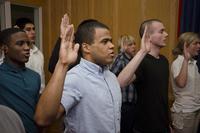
(165, 131)
(127, 118)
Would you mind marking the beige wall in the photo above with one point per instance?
(122, 16)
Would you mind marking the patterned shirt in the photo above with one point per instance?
(129, 92)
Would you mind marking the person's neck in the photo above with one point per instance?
(127, 55)
(17, 65)
(155, 51)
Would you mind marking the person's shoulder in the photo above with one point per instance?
(162, 57)
(33, 73)
(111, 73)
(120, 56)
(1, 66)
(10, 122)
(4, 67)
(178, 60)
(76, 70)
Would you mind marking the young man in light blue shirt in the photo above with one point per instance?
(91, 97)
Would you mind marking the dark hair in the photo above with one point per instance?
(86, 31)
(147, 23)
(5, 35)
(21, 22)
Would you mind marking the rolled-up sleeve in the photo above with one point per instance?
(71, 93)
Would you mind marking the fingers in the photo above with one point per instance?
(186, 52)
(144, 36)
(63, 25)
(72, 34)
(69, 33)
(145, 31)
(185, 45)
(66, 19)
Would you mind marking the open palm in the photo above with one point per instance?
(68, 51)
(145, 42)
(186, 52)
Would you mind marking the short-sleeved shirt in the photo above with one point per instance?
(152, 79)
(187, 99)
(19, 90)
(92, 99)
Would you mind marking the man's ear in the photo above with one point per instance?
(86, 48)
(5, 49)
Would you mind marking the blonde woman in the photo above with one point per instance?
(185, 83)
(127, 47)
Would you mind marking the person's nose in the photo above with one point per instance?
(27, 45)
(166, 34)
(111, 45)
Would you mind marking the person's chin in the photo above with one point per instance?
(163, 45)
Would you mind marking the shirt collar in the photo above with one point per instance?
(92, 67)
(1, 57)
(34, 49)
(9, 66)
(191, 61)
(126, 56)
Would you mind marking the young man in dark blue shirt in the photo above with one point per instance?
(19, 86)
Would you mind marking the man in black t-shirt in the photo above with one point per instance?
(150, 72)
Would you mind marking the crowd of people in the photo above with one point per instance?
(94, 90)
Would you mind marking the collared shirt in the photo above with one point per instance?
(1, 57)
(36, 63)
(129, 94)
(92, 99)
(19, 90)
(187, 99)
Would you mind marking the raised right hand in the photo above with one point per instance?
(146, 41)
(68, 51)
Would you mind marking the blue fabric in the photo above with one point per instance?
(92, 99)
(190, 19)
(19, 90)
(190, 16)
(198, 62)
